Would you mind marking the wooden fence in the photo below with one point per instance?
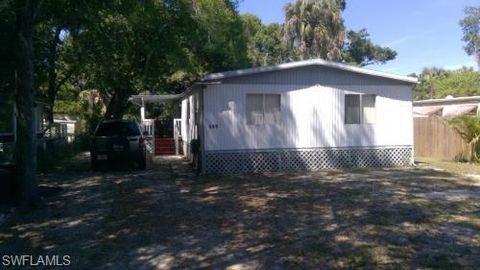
(434, 138)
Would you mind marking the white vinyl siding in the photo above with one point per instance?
(311, 116)
(189, 130)
(263, 109)
(360, 109)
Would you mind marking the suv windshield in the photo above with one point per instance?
(118, 129)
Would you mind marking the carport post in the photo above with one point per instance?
(14, 120)
(142, 111)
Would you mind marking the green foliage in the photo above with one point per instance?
(6, 121)
(439, 83)
(315, 28)
(426, 87)
(360, 50)
(121, 48)
(251, 24)
(86, 106)
(221, 35)
(55, 151)
(265, 42)
(132, 47)
(459, 83)
(7, 55)
(469, 128)
(471, 30)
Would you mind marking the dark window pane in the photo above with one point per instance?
(254, 109)
(352, 109)
(272, 109)
(118, 129)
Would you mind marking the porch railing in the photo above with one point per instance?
(148, 126)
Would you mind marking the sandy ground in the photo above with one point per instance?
(167, 218)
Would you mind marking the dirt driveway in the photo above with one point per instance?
(166, 218)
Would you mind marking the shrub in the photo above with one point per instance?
(469, 128)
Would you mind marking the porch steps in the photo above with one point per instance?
(164, 146)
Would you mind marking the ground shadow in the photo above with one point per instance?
(166, 218)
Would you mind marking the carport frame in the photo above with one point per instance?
(141, 100)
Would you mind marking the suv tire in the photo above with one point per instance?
(142, 163)
(95, 165)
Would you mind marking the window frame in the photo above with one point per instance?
(263, 96)
(361, 107)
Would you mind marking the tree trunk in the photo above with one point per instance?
(52, 76)
(431, 91)
(117, 106)
(26, 147)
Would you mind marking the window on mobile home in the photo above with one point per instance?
(360, 109)
(263, 109)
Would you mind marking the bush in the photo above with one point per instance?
(469, 128)
(53, 152)
(7, 153)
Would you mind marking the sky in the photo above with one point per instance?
(425, 33)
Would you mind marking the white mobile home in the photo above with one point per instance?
(304, 115)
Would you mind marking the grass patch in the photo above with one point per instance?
(361, 257)
(452, 166)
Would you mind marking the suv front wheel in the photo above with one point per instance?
(95, 165)
(142, 163)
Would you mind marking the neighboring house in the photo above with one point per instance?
(65, 127)
(8, 124)
(8, 121)
(447, 107)
(304, 115)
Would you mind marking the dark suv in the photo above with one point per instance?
(118, 140)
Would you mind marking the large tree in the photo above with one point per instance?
(265, 42)
(217, 35)
(426, 87)
(360, 50)
(471, 31)
(132, 47)
(315, 28)
(439, 83)
(26, 148)
(458, 83)
(58, 23)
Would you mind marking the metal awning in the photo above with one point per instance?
(142, 99)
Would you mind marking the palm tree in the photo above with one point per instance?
(469, 128)
(429, 75)
(315, 28)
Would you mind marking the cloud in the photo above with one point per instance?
(412, 36)
(399, 40)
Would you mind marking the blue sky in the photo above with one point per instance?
(425, 33)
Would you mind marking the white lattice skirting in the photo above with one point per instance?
(234, 162)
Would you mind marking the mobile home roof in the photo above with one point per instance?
(313, 62)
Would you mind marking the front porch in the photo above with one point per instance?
(164, 132)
